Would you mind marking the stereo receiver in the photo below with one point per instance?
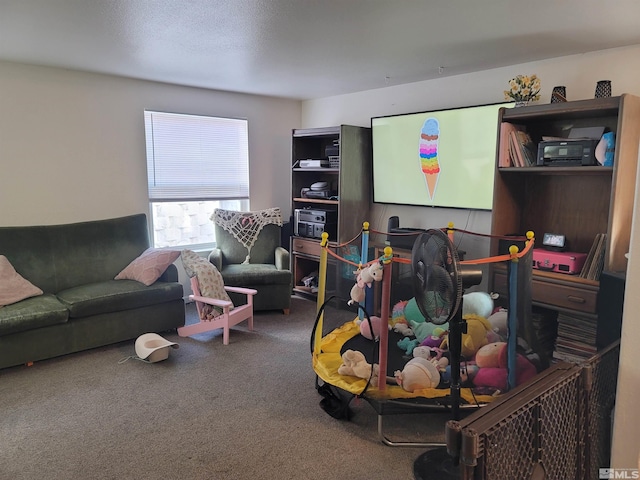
(311, 223)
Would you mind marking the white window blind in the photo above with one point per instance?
(192, 157)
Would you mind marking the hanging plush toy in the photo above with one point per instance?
(364, 278)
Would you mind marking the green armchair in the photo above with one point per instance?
(264, 266)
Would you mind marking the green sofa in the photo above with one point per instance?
(82, 306)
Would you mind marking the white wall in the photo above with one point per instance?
(579, 73)
(72, 144)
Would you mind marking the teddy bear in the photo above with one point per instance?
(355, 364)
(491, 360)
(418, 373)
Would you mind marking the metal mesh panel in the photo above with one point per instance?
(560, 430)
(510, 447)
(536, 431)
(600, 398)
(556, 427)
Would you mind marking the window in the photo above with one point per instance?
(194, 164)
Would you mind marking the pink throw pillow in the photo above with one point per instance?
(149, 266)
(14, 287)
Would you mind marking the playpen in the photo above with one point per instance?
(389, 399)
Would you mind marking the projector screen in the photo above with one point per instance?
(442, 158)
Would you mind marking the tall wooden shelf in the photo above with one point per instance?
(579, 202)
(350, 184)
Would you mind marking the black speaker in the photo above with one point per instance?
(609, 307)
(285, 233)
(394, 222)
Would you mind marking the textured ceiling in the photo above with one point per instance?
(306, 48)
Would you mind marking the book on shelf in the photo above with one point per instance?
(517, 157)
(507, 156)
(528, 149)
(594, 262)
(516, 147)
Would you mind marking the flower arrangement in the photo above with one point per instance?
(523, 88)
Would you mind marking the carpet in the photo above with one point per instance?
(248, 410)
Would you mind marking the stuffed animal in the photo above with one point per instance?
(412, 312)
(434, 355)
(422, 330)
(364, 278)
(499, 322)
(417, 374)
(476, 336)
(355, 364)
(408, 344)
(365, 328)
(491, 360)
(397, 313)
(489, 355)
(373, 273)
(435, 339)
(357, 294)
(468, 371)
(478, 303)
(403, 328)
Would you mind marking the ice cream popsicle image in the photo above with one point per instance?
(429, 153)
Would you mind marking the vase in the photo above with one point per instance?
(603, 89)
(521, 103)
(559, 94)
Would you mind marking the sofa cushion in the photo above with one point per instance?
(32, 313)
(250, 275)
(115, 296)
(148, 267)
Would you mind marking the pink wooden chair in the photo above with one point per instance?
(227, 319)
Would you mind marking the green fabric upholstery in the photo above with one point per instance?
(267, 271)
(253, 274)
(57, 257)
(31, 313)
(115, 296)
(88, 332)
(263, 251)
(83, 306)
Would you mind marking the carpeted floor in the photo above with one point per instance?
(248, 410)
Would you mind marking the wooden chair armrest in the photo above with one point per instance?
(211, 301)
(246, 291)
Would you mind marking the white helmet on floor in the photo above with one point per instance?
(153, 348)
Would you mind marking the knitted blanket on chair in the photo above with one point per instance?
(246, 226)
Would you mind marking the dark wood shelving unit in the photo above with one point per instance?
(350, 189)
(577, 201)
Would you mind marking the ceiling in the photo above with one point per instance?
(305, 49)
